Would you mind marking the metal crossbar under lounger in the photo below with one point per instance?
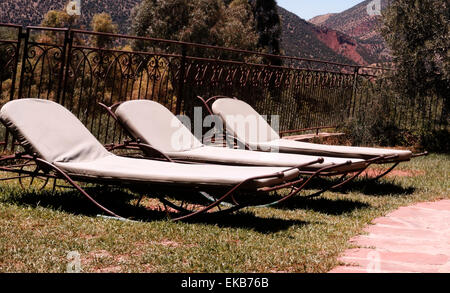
(152, 127)
(59, 147)
(228, 108)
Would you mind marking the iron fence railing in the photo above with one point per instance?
(65, 66)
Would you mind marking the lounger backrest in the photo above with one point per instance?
(51, 131)
(155, 125)
(243, 121)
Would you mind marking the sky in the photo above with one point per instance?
(307, 9)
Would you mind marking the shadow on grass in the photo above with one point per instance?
(323, 205)
(73, 202)
(366, 186)
(378, 188)
(247, 220)
(341, 206)
(119, 202)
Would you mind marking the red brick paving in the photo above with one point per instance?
(414, 239)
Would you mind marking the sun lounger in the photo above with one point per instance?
(152, 129)
(62, 148)
(152, 124)
(264, 138)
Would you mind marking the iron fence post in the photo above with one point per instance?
(62, 67)
(13, 83)
(181, 77)
(351, 110)
(16, 64)
(67, 42)
(24, 60)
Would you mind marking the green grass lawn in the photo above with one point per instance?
(39, 229)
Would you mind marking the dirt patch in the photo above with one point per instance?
(148, 268)
(372, 173)
(99, 254)
(86, 260)
(278, 272)
(111, 269)
(88, 236)
(168, 243)
(156, 206)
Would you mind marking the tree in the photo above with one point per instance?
(180, 20)
(209, 22)
(417, 32)
(103, 23)
(268, 25)
(238, 29)
(56, 19)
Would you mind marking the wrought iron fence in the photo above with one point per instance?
(63, 65)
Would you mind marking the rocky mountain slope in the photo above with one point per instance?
(304, 39)
(300, 38)
(358, 24)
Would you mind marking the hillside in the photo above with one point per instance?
(300, 38)
(304, 39)
(31, 12)
(356, 23)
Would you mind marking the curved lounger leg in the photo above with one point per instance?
(342, 181)
(334, 185)
(337, 184)
(77, 187)
(229, 207)
(394, 165)
(304, 183)
(217, 202)
(34, 174)
(26, 168)
(389, 170)
(35, 179)
(357, 174)
(186, 208)
(233, 190)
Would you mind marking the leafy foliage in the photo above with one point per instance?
(182, 20)
(418, 34)
(212, 22)
(103, 23)
(58, 19)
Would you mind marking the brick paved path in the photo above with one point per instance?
(412, 239)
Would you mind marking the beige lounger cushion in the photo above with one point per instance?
(143, 120)
(154, 124)
(138, 170)
(51, 131)
(249, 158)
(227, 108)
(243, 121)
(58, 137)
(290, 146)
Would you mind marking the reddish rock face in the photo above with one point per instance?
(362, 28)
(348, 37)
(341, 44)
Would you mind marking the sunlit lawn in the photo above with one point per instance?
(39, 229)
